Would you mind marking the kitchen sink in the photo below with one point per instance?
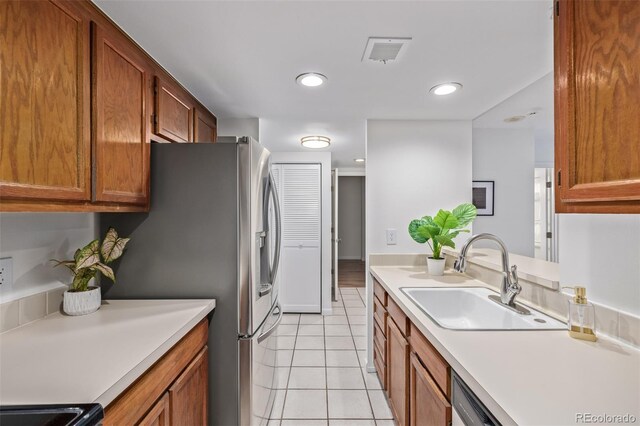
(472, 308)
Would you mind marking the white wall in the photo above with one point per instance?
(324, 158)
(544, 148)
(32, 239)
(507, 156)
(351, 217)
(414, 168)
(602, 253)
(239, 127)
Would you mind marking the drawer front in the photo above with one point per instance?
(380, 292)
(398, 316)
(429, 356)
(379, 363)
(380, 314)
(380, 341)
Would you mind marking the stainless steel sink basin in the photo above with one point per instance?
(470, 308)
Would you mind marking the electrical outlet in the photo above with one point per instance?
(6, 273)
(392, 237)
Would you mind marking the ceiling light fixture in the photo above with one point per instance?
(359, 160)
(311, 79)
(514, 119)
(315, 142)
(445, 88)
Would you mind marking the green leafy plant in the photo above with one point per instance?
(440, 230)
(93, 258)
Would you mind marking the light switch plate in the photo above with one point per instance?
(6, 273)
(392, 237)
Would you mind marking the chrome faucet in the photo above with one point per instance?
(510, 287)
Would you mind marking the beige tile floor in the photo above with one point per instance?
(322, 379)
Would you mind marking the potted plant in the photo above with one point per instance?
(82, 298)
(440, 231)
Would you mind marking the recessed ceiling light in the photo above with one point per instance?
(514, 119)
(315, 142)
(311, 79)
(445, 88)
(359, 160)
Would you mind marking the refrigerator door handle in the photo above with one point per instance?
(276, 203)
(273, 328)
(265, 289)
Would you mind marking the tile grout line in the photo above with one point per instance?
(286, 388)
(326, 372)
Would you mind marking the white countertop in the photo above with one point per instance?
(526, 377)
(92, 358)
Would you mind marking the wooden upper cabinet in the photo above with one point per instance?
(45, 145)
(597, 106)
(120, 119)
(173, 112)
(205, 127)
(188, 395)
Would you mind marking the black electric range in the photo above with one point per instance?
(51, 415)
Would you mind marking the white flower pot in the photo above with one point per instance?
(435, 267)
(82, 302)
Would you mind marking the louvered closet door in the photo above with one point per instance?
(301, 219)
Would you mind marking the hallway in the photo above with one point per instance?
(350, 273)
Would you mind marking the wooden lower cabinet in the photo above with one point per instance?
(414, 374)
(188, 394)
(398, 373)
(429, 407)
(159, 414)
(174, 391)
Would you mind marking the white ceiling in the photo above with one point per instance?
(537, 97)
(240, 58)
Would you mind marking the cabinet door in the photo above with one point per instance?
(159, 414)
(45, 140)
(120, 119)
(429, 407)
(189, 393)
(597, 105)
(174, 113)
(398, 373)
(205, 129)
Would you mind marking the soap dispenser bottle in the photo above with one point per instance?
(582, 319)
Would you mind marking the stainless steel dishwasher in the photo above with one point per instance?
(468, 410)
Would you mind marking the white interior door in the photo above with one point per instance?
(300, 199)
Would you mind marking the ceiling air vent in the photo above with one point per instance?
(385, 49)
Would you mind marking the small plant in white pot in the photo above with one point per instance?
(440, 231)
(82, 298)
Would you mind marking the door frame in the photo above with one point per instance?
(324, 159)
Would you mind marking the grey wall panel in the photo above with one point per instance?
(186, 247)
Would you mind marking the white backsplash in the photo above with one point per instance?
(612, 322)
(32, 240)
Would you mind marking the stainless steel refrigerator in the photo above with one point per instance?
(213, 231)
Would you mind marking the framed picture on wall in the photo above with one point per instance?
(482, 197)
